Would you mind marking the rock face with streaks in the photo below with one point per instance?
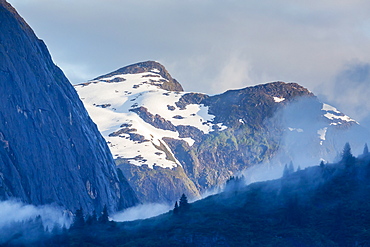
(50, 150)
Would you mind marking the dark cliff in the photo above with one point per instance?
(50, 150)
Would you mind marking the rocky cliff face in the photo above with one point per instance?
(50, 150)
(168, 142)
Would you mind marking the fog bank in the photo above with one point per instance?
(142, 211)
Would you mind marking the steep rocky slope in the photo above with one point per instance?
(167, 141)
(50, 150)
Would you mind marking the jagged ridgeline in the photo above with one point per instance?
(168, 142)
(50, 150)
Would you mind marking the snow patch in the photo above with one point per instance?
(221, 126)
(155, 70)
(326, 107)
(278, 99)
(333, 114)
(322, 134)
(336, 117)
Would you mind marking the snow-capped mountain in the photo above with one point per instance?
(167, 141)
(134, 113)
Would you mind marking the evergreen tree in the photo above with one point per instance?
(322, 165)
(64, 229)
(92, 219)
(56, 229)
(366, 150)
(183, 202)
(176, 208)
(230, 184)
(37, 225)
(291, 167)
(287, 170)
(234, 183)
(78, 220)
(346, 151)
(104, 217)
(347, 156)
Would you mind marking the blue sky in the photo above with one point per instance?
(212, 45)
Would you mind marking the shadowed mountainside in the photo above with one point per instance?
(50, 150)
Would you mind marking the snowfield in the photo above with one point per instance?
(109, 101)
(135, 115)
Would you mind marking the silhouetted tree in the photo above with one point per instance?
(64, 229)
(288, 169)
(56, 229)
(347, 150)
(285, 171)
(322, 165)
(59, 236)
(37, 224)
(176, 208)
(183, 204)
(366, 150)
(78, 220)
(92, 219)
(234, 183)
(291, 167)
(347, 156)
(104, 217)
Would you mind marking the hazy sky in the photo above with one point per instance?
(214, 45)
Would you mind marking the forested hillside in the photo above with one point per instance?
(324, 205)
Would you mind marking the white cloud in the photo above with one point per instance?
(15, 211)
(350, 90)
(233, 74)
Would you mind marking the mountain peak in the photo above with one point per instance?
(189, 142)
(148, 66)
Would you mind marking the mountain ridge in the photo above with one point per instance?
(207, 138)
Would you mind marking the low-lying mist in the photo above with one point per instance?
(22, 223)
(15, 211)
(307, 136)
(142, 211)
